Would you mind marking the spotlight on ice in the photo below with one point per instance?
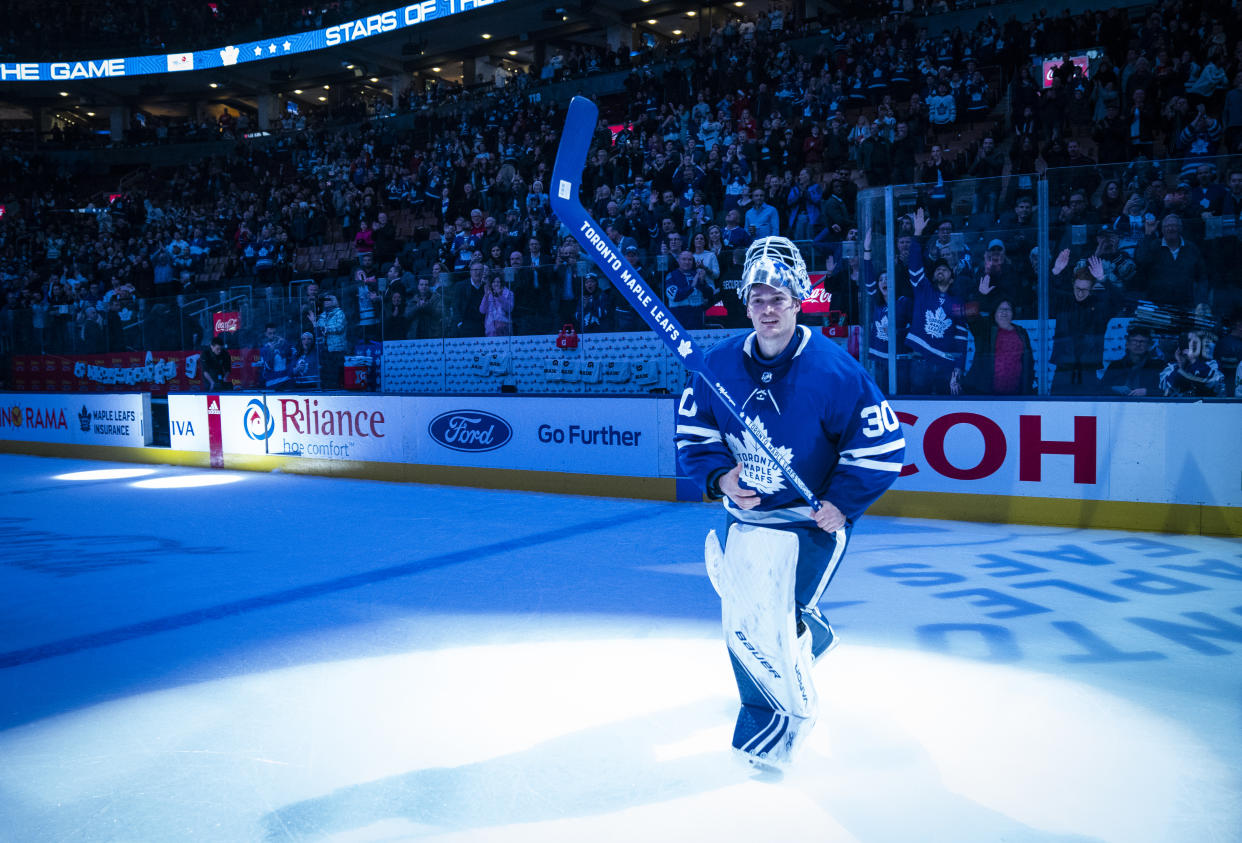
(636, 743)
(106, 474)
(187, 481)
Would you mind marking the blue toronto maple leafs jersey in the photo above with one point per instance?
(882, 324)
(937, 326)
(819, 410)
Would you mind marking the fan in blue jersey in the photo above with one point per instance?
(886, 321)
(822, 413)
(937, 334)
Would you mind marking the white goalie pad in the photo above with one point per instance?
(755, 577)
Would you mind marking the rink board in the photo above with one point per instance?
(607, 436)
(1174, 467)
(101, 420)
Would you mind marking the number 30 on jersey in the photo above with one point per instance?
(880, 419)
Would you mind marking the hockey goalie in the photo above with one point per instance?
(822, 415)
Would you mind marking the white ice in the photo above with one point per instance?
(282, 657)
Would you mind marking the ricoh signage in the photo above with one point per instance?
(1087, 451)
(972, 446)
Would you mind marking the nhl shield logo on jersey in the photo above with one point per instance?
(758, 470)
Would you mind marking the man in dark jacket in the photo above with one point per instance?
(384, 236)
(216, 364)
(1172, 266)
(1078, 346)
(1137, 374)
(467, 297)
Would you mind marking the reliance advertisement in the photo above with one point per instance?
(229, 55)
(613, 436)
(346, 427)
(116, 420)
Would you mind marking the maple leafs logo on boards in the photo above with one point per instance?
(758, 470)
(228, 56)
(84, 419)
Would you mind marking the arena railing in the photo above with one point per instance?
(547, 329)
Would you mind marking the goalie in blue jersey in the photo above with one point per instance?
(823, 414)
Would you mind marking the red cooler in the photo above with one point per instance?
(357, 373)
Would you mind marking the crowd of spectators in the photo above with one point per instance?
(446, 229)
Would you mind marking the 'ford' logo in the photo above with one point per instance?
(470, 430)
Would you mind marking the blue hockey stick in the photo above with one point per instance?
(566, 181)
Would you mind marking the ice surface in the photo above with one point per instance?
(284, 657)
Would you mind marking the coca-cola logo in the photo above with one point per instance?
(820, 300)
(227, 322)
(470, 430)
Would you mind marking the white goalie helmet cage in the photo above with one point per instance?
(775, 261)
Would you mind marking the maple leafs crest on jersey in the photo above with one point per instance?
(881, 328)
(937, 323)
(758, 470)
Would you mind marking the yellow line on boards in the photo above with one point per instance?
(1062, 512)
(1053, 512)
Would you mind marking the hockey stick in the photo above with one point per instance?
(567, 179)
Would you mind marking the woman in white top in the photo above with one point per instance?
(705, 258)
(715, 241)
(709, 132)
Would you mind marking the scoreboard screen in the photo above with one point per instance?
(228, 55)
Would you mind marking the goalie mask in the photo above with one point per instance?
(775, 261)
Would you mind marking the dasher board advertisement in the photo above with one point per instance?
(1187, 453)
(345, 427)
(117, 420)
(614, 436)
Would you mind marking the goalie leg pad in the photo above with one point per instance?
(755, 577)
(823, 637)
(819, 558)
(713, 556)
(765, 734)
